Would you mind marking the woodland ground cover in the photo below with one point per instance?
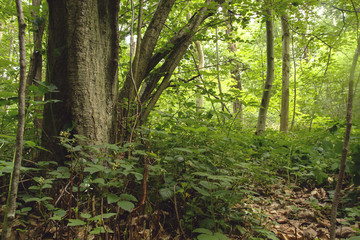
(203, 180)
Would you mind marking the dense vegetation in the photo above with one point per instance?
(196, 166)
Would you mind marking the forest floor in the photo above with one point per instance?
(292, 212)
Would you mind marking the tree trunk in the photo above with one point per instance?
(294, 100)
(199, 98)
(218, 71)
(269, 75)
(82, 63)
(35, 66)
(345, 145)
(154, 82)
(9, 215)
(235, 74)
(284, 115)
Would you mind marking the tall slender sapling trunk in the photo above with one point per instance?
(284, 115)
(346, 143)
(9, 215)
(269, 74)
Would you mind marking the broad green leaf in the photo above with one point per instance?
(85, 215)
(58, 214)
(206, 237)
(76, 222)
(355, 238)
(99, 181)
(220, 236)
(111, 198)
(203, 230)
(126, 205)
(184, 150)
(202, 191)
(104, 216)
(26, 209)
(99, 230)
(128, 197)
(166, 193)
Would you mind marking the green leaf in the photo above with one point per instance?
(104, 216)
(166, 193)
(35, 199)
(85, 215)
(111, 198)
(30, 144)
(203, 230)
(220, 236)
(99, 181)
(128, 197)
(202, 191)
(76, 222)
(99, 230)
(126, 205)
(355, 238)
(206, 237)
(94, 168)
(184, 150)
(26, 209)
(58, 214)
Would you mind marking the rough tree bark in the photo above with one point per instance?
(269, 75)
(154, 81)
(82, 62)
(9, 215)
(346, 143)
(284, 114)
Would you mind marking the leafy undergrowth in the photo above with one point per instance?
(187, 179)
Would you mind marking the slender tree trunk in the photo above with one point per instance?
(9, 215)
(200, 67)
(346, 143)
(35, 67)
(218, 70)
(11, 44)
(269, 75)
(199, 98)
(294, 63)
(82, 63)
(284, 115)
(1, 33)
(235, 73)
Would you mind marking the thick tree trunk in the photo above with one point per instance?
(269, 75)
(284, 115)
(345, 145)
(82, 63)
(9, 215)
